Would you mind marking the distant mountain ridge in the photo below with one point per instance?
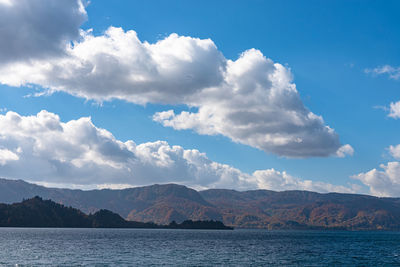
(162, 204)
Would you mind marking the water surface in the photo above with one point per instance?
(119, 247)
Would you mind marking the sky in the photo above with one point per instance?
(279, 95)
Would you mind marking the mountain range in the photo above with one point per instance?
(267, 209)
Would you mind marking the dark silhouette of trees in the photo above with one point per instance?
(36, 212)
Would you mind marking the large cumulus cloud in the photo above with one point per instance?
(258, 105)
(251, 100)
(76, 153)
(32, 29)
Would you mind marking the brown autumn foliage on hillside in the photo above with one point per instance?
(163, 204)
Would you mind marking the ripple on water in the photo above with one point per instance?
(23, 246)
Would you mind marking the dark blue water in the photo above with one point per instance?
(119, 247)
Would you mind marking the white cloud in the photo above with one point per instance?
(393, 72)
(257, 105)
(345, 150)
(278, 181)
(6, 156)
(76, 153)
(251, 100)
(385, 182)
(6, 2)
(394, 110)
(32, 29)
(395, 151)
(117, 65)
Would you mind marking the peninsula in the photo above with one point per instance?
(36, 212)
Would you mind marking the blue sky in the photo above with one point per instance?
(334, 50)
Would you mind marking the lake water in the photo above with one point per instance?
(140, 247)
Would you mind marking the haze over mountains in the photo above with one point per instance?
(162, 204)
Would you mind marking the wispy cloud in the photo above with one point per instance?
(392, 72)
(393, 109)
